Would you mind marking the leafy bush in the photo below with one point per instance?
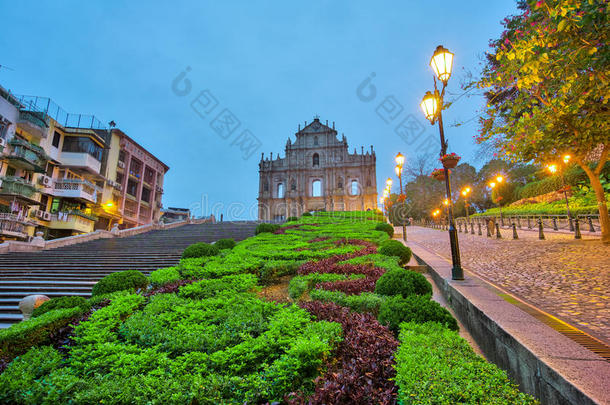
(306, 214)
(385, 227)
(395, 248)
(299, 284)
(402, 282)
(200, 249)
(291, 219)
(34, 332)
(436, 366)
(119, 281)
(22, 377)
(225, 244)
(414, 308)
(264, 227)
(209, 288)
(273, 269)
(365, 302)
(164, 276)
(61, 302)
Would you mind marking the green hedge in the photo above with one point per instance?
(414, 308)
(119, 281)
(435, 365)
(225, 244)
(261, 228)
(34, 332)
(200, 249)
(385, 227)
(395, 248)
(61, 303)
(164, 276)
(402, 282)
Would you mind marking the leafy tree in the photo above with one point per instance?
(547, 83)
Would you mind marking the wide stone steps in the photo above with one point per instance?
(74, 270)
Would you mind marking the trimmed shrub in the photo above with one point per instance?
(164, 276)
(209, 288)
(34, 332)
(414, 308)
(200, 249)
(365, 302)
(307, 214)
(122, 280)
(266, 228)
(60, 303)
(385, 227)
(395, 248)
(402, 282)
(436, 366)
(225, 244)
(291, 219)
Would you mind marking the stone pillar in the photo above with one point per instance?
(38, 241)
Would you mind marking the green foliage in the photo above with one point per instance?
(123, 280)
(23, 381)
(200, 249)
(377, 260)
(210, 287)
(395, 248)
(273, 269)
(164, 276)
(292, 219)
(435, 365)
(385, 227)
(264, 227)
(402, 282)
(34, 332)
(414, 308)
(225, 244)
(306, 214)
(299, 284)
(60, 303)
(365, 302)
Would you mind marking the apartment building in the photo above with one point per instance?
(60, 172)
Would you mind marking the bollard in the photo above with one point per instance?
(577, 234)
(459, 227)
(501, 220)
(489, 225)
(540, 229)
(519, 222)
(591, 227)
(571, 223)
(498, 234)
(480, 233)
(515, 236)
(529, 223)
(472, 228)
(555, 224)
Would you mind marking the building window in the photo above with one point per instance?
(145, 194)
(266, 186)
(4, 124)
(315, 140)
(316, 160)
(135, 168)
(81, 144)
(280, 190)
(340, 183)
(355, 187)
(132, 188)
(56, 138)
(316, 188)
(122, 156)
(149, 175)
(293, 185)
(119, 178)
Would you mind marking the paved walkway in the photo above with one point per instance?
(567, 278)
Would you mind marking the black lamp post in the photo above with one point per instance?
(400, 161)
(432, 105)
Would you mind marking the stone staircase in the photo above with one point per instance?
(73, 270)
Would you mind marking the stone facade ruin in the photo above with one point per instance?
(317, 173)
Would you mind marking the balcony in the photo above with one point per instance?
(75, 188)
(14, 226)
(80, 160)
(33, 122)
(72, 220)
(18, 188)
(26, 155)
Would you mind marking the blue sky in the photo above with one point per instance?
(273, 65)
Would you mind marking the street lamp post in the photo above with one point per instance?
(465, 192)
(553, 169)
(400, 161)
(432, 105)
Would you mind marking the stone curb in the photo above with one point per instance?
(545, 363)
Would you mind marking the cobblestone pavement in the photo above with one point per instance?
(562, 276)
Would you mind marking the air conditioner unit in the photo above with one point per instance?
(46, 216)
(40, 214)
(121, 164)
(117, 186)
(46, 181)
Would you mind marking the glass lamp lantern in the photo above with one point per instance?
(442, 63)
(429, 106)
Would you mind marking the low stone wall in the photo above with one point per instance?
(71, 240)
(544, 363)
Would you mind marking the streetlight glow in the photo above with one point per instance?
(566, 158)
(388, 182)
(492, 184)
(446, 202)
(442, 63)
(552, 168)
(500, 178)
(466, 190)
(398, 170)
(429, 106)
(400, 160)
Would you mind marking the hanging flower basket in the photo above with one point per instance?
(438, 174)
(450, 160)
